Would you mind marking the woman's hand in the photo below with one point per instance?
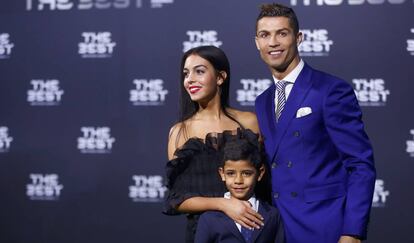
(241, 212)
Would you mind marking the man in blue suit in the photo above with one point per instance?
(321, 160)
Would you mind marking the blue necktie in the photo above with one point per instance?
(281, 97)
(246, 233)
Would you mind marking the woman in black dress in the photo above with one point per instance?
(195, 142)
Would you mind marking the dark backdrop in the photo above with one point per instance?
(89, 90)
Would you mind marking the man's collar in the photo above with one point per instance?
(293, 75)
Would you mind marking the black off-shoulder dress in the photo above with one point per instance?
(194, 172)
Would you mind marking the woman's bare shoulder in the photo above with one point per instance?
(246, 118)
(174, 130)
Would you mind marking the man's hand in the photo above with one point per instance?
(348, 239)
(242, 213)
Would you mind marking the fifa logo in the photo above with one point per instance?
(315, 43)
(44, 187)
(96, 45)
(380, 194)
(148, 92)
(95, 140)
(44, 92)
(371, 92)
(5, 139)
(198, 38)
(251, 88)
(147, 188)
(5, 45)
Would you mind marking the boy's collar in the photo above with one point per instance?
(252, 200)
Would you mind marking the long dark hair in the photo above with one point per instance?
(218, 59)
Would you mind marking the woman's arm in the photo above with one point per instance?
(174, 140)
(239, 211)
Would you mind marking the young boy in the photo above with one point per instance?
(241, 170)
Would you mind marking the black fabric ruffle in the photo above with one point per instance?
(193, 171)
(174, 169)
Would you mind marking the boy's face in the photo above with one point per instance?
(240, 177)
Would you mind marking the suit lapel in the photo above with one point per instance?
(264, 211)
(231, 227)
(267, 111)
(298, 93)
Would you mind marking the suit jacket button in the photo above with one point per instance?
(274, 165)
(289, 164)
(294, 194)
(296, 134)
(275, 195)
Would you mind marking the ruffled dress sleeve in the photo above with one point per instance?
(192, 173)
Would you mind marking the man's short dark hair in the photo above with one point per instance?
(279, 10)
(243, 149)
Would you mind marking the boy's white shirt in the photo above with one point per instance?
(253, 201)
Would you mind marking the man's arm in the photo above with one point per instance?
(342, 116)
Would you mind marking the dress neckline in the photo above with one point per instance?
(214, 141)
(213, 135)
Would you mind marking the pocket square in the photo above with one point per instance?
(303, 111)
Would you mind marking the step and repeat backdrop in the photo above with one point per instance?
(89, 90)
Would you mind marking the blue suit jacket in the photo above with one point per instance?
(217, 227)
(322, 165)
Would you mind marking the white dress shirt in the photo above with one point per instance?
(253, 201)
(291, 78)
